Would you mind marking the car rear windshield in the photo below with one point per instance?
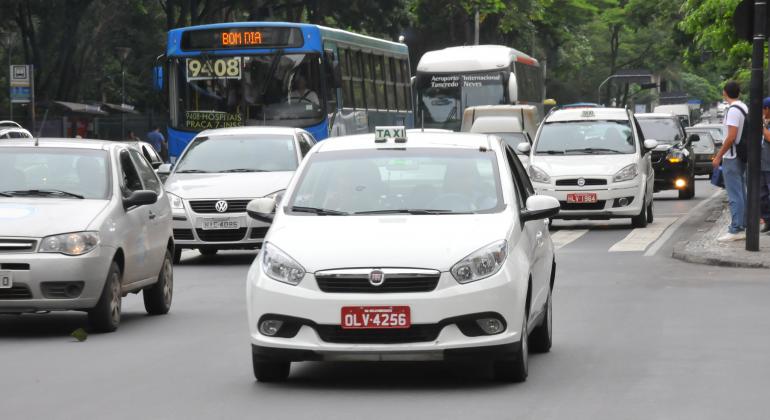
(586, 138)
(54, 172)
(664, 130)
(252, 153)
(416, 181)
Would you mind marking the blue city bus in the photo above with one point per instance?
(328, 81)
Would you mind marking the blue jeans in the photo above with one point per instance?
(764, 195)
(734, 171)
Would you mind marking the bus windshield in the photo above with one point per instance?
(444, 97)
(229, 91)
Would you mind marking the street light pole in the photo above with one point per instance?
(122, 53)
(755, 127)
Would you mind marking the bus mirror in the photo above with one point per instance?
(333, 68)
(513, 91)
(157, 79)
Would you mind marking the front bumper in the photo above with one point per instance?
(442, 311)
(189, 232)
(667, 173)
(36, 274)
(610, 199)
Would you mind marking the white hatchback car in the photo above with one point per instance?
(428, 248)
(592, 161)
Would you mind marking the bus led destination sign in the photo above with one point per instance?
(249, 37)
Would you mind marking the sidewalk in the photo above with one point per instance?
(703, 247)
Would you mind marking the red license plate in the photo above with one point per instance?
(375, 317)
(581, 198)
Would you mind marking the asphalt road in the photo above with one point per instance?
(636, 337)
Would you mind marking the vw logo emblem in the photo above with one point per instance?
(581, 182)
(221, 206)
(376, 278)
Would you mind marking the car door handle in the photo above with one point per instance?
(152, 215)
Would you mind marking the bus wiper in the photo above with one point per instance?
(593, 150)
(192, 171)
(318, 211)
(243, 170)
(44, 193)
(410, 211)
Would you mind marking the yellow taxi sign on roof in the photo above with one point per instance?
(396, 132)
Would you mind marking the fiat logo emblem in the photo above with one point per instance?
(221, 206)
(581, 182)
(376, 278)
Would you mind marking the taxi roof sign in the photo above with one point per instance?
(383, 133)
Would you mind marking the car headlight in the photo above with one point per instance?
(538, 175)
(279, 266)
(176, 202)
(76, 243)
(627, 173)
(481, 264)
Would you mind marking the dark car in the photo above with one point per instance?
(673, 160)
(704, 148)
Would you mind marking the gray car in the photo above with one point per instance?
(82, 224)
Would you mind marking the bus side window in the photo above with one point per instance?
(379, 82)
(371, 102)
(347, 88)
(357, 81)
(390, 79)
(406, 85)
(331, 90)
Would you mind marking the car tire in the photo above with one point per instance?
(640, 220)
(688, 192)
(541, 339)
(105, 316)
(515, 369)
(177, 255)
(270, 371)
(158, 297)
(650, 214)
(208, 251)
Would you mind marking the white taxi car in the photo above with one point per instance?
(593, 162)
(386, 248)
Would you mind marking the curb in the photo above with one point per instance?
(703, 248)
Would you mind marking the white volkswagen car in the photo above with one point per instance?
(593, 162)
(433, 247)
(218, 173)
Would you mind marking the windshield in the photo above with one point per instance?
(253, 153)
(217, 91)
(586, 137)
(513, 139)
(59, 173)
(417, 181)
(664, 130)
(444, 97)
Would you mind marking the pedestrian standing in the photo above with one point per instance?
(156, 139)
(733, 168)
(132, 136)
(764, 174)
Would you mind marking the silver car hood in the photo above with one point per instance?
(227, 185)
(39, 217)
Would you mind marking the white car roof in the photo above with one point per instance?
(470, 58)
(652, 115)
(235, 131)
(414, 140)
(496, 124)
(587, 114)
(45, 142)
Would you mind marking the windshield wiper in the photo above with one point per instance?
(594, 150)
(243, 170)
(42, 193)
(551, 152)
(318, 211)
(5, 194)
(410, 211)
(192, 171)
(273, 66)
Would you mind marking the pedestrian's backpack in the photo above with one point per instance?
(741, 149)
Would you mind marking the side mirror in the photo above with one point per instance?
(513, 91)
(140, 198)
(262, 209)
(523, 148)
(540, 207)
(156, 165)
(164, 168)
(650, 144)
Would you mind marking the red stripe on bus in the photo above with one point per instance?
(526, 60)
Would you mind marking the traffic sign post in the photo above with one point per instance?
(22, 87)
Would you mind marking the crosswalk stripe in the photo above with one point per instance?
(639, 239)
(564, 237)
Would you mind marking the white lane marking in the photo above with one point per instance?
(639, 239)
(670, 231)
(564, 237)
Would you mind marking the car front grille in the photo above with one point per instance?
(392, 284)
(259, 232)
(17, 245)
(209, 206)
(16, 292)
(415, 334)
(599, 205)
(183, 234)
(221, 235)
(574, 182)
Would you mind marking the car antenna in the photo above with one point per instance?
(40, 130)
(422, 120)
